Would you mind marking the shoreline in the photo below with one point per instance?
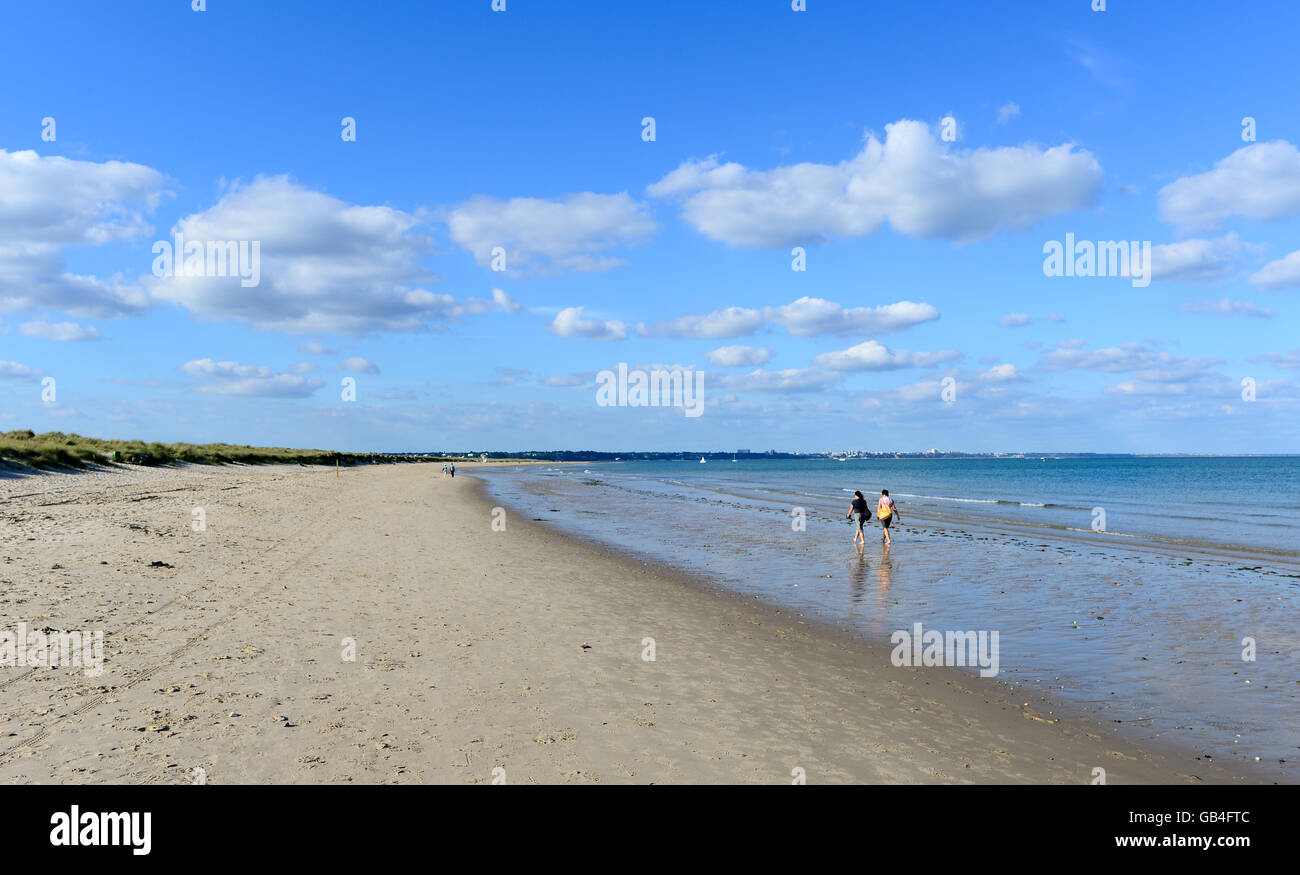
(476, 649)
(999, 694)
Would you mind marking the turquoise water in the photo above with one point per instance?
(1140, 624)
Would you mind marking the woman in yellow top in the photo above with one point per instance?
(886, 512)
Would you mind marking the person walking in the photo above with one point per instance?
(859, 506)
(887, 512)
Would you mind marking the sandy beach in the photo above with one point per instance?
(476, 649)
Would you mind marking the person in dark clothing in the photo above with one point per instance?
(859, 506)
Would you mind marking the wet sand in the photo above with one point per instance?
(475, 649)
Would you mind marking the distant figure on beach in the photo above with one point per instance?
(886, 511)
(444, 470)
(859, 506)
(452, 468)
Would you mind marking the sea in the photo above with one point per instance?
(1160, 595)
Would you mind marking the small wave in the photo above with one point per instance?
(949, 498)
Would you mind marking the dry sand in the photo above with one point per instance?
(475, 649)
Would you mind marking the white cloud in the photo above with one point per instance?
(567, 381)
(326, 265)
(873, 356)
(474, 306)
(49, 204)
(1148, 364)
(1228, 307)
(739, 356)
(787, 381)
(17, 372)
(312, 347)
(62, 332)
(1016, 320)
(550, 236)
(306, 368)
(1287, 360)
(1259, 181)
(1197, 260)
(806, 317)
(1008, 111)
(920, 185)
(1281, 274)
(505, 302)
(728, 322)
(232, 378)
(359, 365)
(815, 317)
(569, 323)
(1002, 373)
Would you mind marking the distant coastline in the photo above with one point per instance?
(720, 455)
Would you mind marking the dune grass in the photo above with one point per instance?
(54, 449)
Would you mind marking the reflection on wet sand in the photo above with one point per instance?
(1087, 616)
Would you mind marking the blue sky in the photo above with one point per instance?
(774, 129)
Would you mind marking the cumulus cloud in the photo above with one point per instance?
(806, 317)
(1197, 260)
(233, 378)
(816, 317)
(1003, 373)
(739, 356)
(356, 364)
(727, 322)
(550, 236)
(326, 265)
(920, 185)
(18, 373)
(1147, 364)
(569, 323)
(313, 347)
(501, 301)
(1228, 307)
(873, 356)
(48, 204)
(62, 332)
(787, 381)
(1281, 274)
(923, 391)
(1259, 181)
(1008, 111)
(1016, 320)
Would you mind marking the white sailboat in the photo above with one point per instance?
(701, 460)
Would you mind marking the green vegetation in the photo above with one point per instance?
(55, 449)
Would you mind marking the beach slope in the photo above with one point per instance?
(377, 627)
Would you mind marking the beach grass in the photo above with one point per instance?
(54, 449)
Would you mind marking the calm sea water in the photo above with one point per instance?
(1247, 502)
(1141, 623)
